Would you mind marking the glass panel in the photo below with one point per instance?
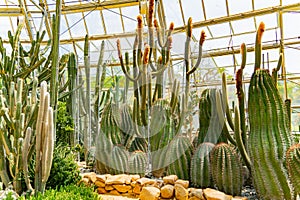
(192, 8)
(216, 44)
(76, 25)
(237, 6)
(129, 18)
(265, 4)
(289, 19)
(220, 29)
(243, 25)
(112, 21)
(292, 59)
(215, 8)
(64, 32)
(6, 27)
(270, 20)
(94, 23)
(173, 13)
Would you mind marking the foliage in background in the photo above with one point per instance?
(67, 192)
(64, 125)
(64, 169)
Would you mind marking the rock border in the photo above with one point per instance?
(170, 187)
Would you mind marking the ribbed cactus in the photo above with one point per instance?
(226, 169)
(293, 165)
(110, 125)
(200, 174)
(139, 143)
(162, 129)
(269, 136)
(103, 153)
(179, 156)
(211, 117)
(137, 163)
(126, 125)
(118, 161)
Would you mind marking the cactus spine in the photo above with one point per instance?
(200, 174)
(293, 165)
(268, 129)
(226, 169)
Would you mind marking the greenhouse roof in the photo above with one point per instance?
(227, 24)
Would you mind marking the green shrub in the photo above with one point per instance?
(64, 169)
(64, 125)
(67, 192)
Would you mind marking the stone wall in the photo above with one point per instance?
(170, 187)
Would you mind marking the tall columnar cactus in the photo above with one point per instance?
(226, 169)
(45, 137)
(293, 165)
(239, 125)
(211, 117)
(269, 136)
(179, 156)
(200, 173)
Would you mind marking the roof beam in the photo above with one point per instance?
(239, 16)
(11, 12)
(99, 6)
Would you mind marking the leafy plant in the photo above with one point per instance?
(64, 169)
(64, 125)
(67, 192)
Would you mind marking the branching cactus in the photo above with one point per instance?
(200, 174)
(226, 169)
(17, 143)
(13, 124)
(293, 165)
(269, 136)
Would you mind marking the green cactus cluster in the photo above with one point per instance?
(152, 127)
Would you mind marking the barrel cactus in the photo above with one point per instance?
(226, 169)
(200, 174)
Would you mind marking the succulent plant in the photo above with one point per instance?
(179, 156)
(293, 165)
(226, 169)
(269, 128)
(137, 163)
(200, 174)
